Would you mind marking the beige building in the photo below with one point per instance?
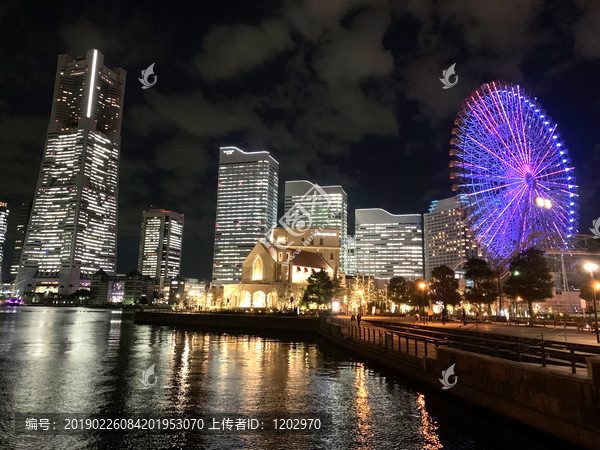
(324, 241)
(274, 277)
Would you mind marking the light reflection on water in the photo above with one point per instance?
(65, 360)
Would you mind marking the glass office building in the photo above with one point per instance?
(246, 209)
(160, 244)
(448, 240)
(388, 245)
(310, 205)
(72, 231)
(4, 212)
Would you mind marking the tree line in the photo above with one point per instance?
(529, 278)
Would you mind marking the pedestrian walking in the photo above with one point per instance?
(464, 314)
(358, 317)
(417, 318)
(430, 315)
(444, 316)
(352, 318)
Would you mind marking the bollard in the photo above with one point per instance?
(543, 354)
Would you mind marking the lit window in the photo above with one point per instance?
(257, 269)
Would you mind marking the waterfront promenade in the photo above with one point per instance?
(559, 333)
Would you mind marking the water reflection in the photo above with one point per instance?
(91, 361)
(363, 411)
(428, 427)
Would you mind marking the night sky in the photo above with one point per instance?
(340, 92)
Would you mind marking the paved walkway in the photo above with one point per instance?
(551, 333)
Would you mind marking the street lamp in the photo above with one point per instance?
(423, 286)
(591, 267)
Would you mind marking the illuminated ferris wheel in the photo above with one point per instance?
(512, 172)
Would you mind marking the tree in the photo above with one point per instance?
(319, 289)
(418, 295)
(338, 290)
(397, 290)
(530, 278)
(354, 299)
(379, 301)
(483, 289)
(444, 287)
(83, 295)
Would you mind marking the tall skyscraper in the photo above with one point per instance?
(448, 240)
(4, 211)
(246, 209)
(388, 245)
(326, 205)
(23, 221)
(351, 258)
(160, 244)
(72, 232)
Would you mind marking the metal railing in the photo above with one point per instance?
(537, 350)
(392, 340)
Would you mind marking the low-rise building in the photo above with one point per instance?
(274, 280)
(126, 289)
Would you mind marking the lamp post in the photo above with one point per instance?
(423, 286)
(591, 267)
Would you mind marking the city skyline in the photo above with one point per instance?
(300, 224)
(373, 118)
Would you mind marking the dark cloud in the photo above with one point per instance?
(230, 51)
(21, 149)
(587, 30)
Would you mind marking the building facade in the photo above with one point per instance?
(23, 221)
(72, 232)
(270, 282)
(324, 241)
(160, 244)
(388, 245)
(351, 256)
(127, 289)
(448, 240)
(309, 205)
(246, 209)
(4, 212)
